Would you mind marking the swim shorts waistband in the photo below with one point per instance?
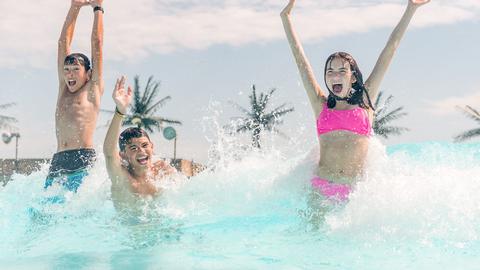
(70, 161)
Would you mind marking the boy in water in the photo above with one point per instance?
(78, 102)
(131, 170)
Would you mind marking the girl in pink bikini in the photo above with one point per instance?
(344, 117)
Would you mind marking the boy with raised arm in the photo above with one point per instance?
(78, 102)
(130, 168)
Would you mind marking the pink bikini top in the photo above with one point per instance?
(354, 120)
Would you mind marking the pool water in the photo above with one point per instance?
(417, 208)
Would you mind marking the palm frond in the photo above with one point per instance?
(280, 112)
(7, 121)
(153, 108)
(149, 124)
(166, 120)
(151, 92)
(379, 99)
(470, 113)
(10, 119)
(380, 109)
(382, 117)
(275, 118)
(393, 115)
(136, 95)
(238, 125)
(279, 107)
(242, 128)
(7, 105)
(146, 91)
(266, 98)
(386, 131)
(127, 121)
(467, 135)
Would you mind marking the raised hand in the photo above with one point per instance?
(80, 3)
(286, 11)
(121, 96)
(96, 3)
(418, 2)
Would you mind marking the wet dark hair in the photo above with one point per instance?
(356, 97)
(78, 59)
(128, 134)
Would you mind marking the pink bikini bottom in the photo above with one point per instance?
(331, 190)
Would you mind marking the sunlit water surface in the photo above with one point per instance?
(417, 208)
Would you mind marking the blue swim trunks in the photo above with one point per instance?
(69, 168)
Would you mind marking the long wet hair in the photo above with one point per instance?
(356, 95)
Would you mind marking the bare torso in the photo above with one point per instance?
(129, 192)
(132, 197)
(342, 155)
(76, 117)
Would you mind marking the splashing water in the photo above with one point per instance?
(417, 208)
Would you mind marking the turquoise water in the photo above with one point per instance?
(417, 208)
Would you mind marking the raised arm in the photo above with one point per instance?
(314, 92)
(122, 99)
(66, 37)
(97, 44)
(373, 82)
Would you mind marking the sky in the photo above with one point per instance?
(209, 52)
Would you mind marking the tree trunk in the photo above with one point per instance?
(256, 138)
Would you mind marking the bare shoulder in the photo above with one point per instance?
(161, 167)
(116, 170)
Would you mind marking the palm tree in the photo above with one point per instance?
(6, 121)
(144, 106)
(472, 114)
(382, 117)
(257, 119)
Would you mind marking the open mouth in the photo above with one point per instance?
(337, 88)
(142, 160)
(71, 83)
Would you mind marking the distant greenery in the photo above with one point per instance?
(257, 119)
(469, 134)
(383, 116)
(7, 121)
(141, 112)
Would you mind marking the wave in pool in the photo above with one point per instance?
(416, 208)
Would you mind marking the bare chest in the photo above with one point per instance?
(145, 188)
(71, 107)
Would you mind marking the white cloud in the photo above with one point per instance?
(137, 29)
(448, 105)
